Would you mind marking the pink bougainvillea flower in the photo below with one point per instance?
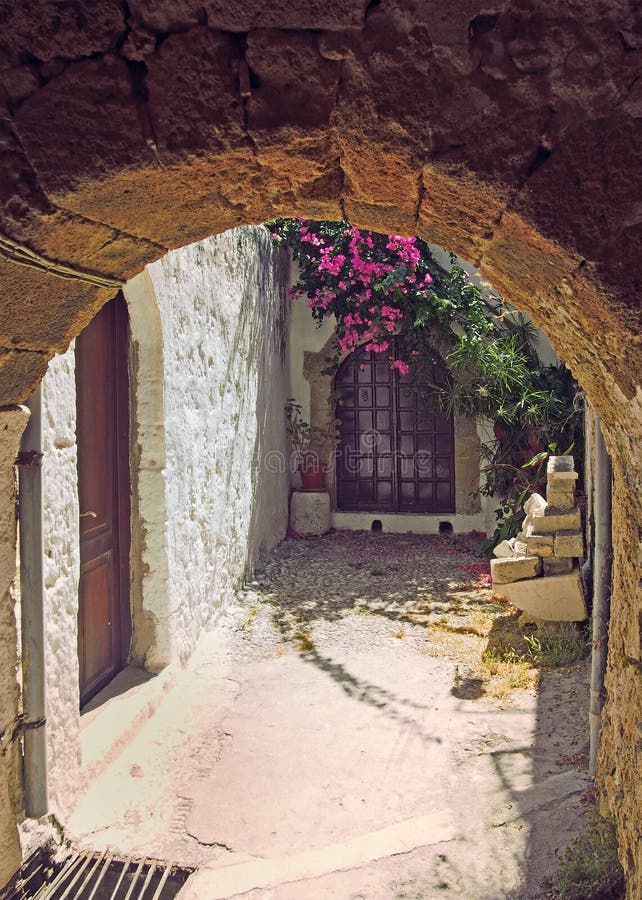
(377, 346)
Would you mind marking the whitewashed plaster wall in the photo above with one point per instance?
(224, 321)
(61, 573)
(306, 336)
(208, 370)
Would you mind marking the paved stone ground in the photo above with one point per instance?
(337, 736)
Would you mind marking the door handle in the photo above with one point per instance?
(90, 514)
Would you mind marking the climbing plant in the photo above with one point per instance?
(382, 286)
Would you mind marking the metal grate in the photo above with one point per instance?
(88, 875)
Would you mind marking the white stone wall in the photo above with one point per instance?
(61, 572)
(208, 366)
(224, 324)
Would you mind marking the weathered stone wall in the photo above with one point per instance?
(511, 135)
(12, 424)
(223, 315)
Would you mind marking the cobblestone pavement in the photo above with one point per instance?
(354, 727)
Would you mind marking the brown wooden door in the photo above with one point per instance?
(104, 622)
(396, 447)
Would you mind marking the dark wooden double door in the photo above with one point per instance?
(396, 452)
(102, 392)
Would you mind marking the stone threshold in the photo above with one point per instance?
(398, 523)
(114, 717)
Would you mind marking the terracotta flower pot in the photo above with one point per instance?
(312, 474)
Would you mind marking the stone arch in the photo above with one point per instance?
(512, 138)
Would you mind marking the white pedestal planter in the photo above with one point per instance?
(310, 512)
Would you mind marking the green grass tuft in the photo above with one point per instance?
(554, 647)
(590, 867)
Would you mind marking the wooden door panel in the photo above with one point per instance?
(103, 488)
(396, 452)
(99, 660)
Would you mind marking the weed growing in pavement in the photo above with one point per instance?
(590, 868)
(249, 621)
(510, 656)
(363, 611)
(511, 672)
(302, 639)
(556, 647)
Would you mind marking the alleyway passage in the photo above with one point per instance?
(362, 725)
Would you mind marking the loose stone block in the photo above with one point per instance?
(507, 570)
(560, 464)
(539, 544)
(503, 550)
(519, 548)
(554, 520)
(561, 480)
(557, 598)
(569, 545)
(560, 499)
(535, 505)
(310, 512)
(557, 566)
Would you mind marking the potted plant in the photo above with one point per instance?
(311, 446)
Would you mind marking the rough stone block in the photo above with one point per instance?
(561, 480)
(569, 545)
(58, 123)
(560, 498)
(557, 520)
(560, 464)
(519, 548)
(507, 570)
(539, 544)
(558, 566)
(557, 598)
(310, 512)
(504, 550)
(337, 15)
(535, 505)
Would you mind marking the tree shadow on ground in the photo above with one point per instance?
(413, 581)
(390, 575)
(437, 589)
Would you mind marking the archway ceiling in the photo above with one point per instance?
(509, 133)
